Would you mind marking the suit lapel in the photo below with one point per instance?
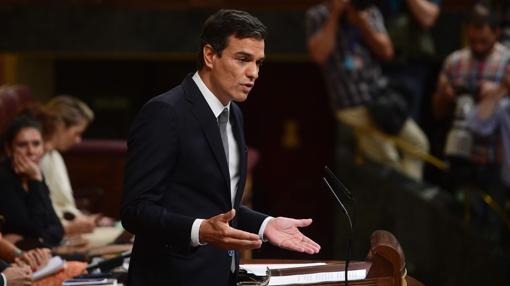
(209, 125)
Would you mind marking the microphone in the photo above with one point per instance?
(348, 195)
(108, 264)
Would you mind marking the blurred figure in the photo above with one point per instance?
(25, 201)
(409, 22)
(502, 12)
(479, 72)
(343, 38)
(73, 117)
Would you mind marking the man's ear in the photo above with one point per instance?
(209, 54)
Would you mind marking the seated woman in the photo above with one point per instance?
(73, 117)
(24, 196)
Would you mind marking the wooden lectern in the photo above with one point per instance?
(385, 264)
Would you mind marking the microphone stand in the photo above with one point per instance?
(350, 198)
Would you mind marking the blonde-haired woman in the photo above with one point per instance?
(73, 116)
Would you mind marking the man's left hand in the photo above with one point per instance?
(283, 232)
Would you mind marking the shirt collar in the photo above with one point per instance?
(213, 102)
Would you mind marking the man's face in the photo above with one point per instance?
(481, 40)
(233, 73)
(68, 137)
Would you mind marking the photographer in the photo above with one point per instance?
(347, 40)
(481, 70)
(409, 23)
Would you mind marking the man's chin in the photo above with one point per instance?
(480, 55)
(240, 98)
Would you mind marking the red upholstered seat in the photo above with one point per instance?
(12, 99)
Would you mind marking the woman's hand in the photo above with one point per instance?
(35, 258)
(25, 167)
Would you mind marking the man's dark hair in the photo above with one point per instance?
(482, 16)
(225, 23)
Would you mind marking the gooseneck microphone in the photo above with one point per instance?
(349, 197)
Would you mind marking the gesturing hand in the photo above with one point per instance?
(216, 231)
(283, 232)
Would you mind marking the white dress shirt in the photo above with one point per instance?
(57, 178)
(4, 279)
(233, 155)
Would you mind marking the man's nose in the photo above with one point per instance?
(253, 71)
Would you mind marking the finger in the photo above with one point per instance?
(306, 245)
(240, 244)
(47, 251)
(300, 247)
(30, 260)
(240, 234)
(19, 262)
(309, 241)
(45, 254)
(228, 216)
(291, 245)
(26, 270)
(39, 258)
(303, 222)
(310, 248)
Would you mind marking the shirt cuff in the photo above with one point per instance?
(263, 228)
(195, 229)
(5, 279)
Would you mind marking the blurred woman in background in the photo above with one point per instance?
(24, 197)
(73, 116)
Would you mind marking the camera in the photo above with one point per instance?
(459, 140)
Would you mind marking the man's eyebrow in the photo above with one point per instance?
(244, 54)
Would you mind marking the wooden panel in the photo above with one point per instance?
(179, 4)
(92, 171)
(447, 5)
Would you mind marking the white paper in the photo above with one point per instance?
(336, 276)
(55, 264)
(322, 277)
(260, 269)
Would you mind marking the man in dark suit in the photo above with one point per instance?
(186, 169)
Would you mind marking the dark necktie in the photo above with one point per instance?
(222, 122)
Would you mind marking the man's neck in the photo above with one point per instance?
(206, 78)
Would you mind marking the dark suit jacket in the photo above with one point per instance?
(176, 172)
(31, 213)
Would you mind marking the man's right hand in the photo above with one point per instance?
(18, 275)
(217, 232)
